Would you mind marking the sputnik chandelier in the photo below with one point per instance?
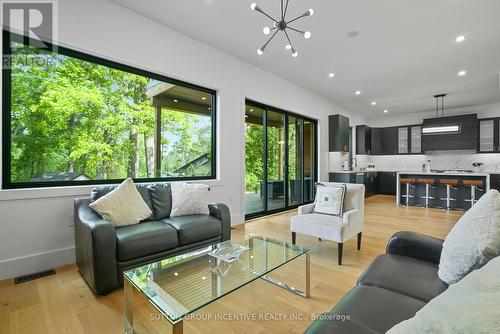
(282, 25)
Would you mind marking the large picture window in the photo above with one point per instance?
(78, 119)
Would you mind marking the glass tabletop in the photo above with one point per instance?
(182, 284)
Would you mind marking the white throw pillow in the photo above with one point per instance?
(189, 199)
(473, 241)
(329, 199)
(123, 206)
(469, 306)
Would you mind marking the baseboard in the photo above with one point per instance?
(237, 220)
(36, 262)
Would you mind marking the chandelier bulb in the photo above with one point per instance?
(311, 12)
(295, 54)
(253, 5)
(307, 35)
(266, 30)
(260, 52)
(288, 46)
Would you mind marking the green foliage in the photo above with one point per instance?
(78, 116)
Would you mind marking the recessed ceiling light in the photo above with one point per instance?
(386, 111)
(331, 75)
(460, 39)
(176, 101)
(462, 73)
(357, 92)
(374, 103)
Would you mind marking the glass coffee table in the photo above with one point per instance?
(180, 285)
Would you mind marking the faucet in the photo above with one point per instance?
(354, 163)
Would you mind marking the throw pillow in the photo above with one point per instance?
(469, 306)
(329, 199)
(123, 206)
(473, 241)
(189, 199)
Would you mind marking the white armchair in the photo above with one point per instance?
(333, 228)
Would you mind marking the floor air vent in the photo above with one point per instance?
(30, 277)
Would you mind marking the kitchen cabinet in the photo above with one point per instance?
(376, 141)
(343, 177)
(363, 139)
(371, 183)
(387, 183)
(403, 140)
(416, 139)
(338, 133)
(389, 140)
(489, 135)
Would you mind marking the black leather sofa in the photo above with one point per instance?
(390, 290)
(104, 252)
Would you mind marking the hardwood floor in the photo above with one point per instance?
(63, 303)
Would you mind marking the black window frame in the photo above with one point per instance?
(7, 183)
(287, 114)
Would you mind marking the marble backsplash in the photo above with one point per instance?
(441, 160)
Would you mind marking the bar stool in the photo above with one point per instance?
(428, 186)
(449, 183)
(409, 181)
(474, 185)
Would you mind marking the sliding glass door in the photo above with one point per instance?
(280, 159)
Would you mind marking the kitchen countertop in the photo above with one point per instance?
(451, 173)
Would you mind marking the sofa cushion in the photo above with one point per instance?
(406, 275)
(144, 239)
(376, 308)
(141, 188)
(161, 198)
(194, 228)
(469, 306)
(473, 240)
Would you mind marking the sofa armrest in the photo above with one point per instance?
(95, 246)
(221, 212)
(415, 245)
(305, 209)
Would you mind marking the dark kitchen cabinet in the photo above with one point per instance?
(376, 141)
(389, 140)
(343, 177)
(489, 133)
(387, 183)
(363, 139)
(371, 184)
(495, 181)
(338, 133)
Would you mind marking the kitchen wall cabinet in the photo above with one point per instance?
(389, 140)
(489, 135)
(338, 133)
(376, 141)
(363, 139)
(416, 139)
(403, 140)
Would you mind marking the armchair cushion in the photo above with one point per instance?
(329, 199)
(319, 225)
(143, 239)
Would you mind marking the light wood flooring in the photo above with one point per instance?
(63, 303)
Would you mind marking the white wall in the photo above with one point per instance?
(36, 229)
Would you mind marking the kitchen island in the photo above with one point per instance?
(452, 190)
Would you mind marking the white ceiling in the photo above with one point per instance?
(404, 54)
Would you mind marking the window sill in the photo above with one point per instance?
(73, 191)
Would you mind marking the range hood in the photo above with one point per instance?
(450, 133)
